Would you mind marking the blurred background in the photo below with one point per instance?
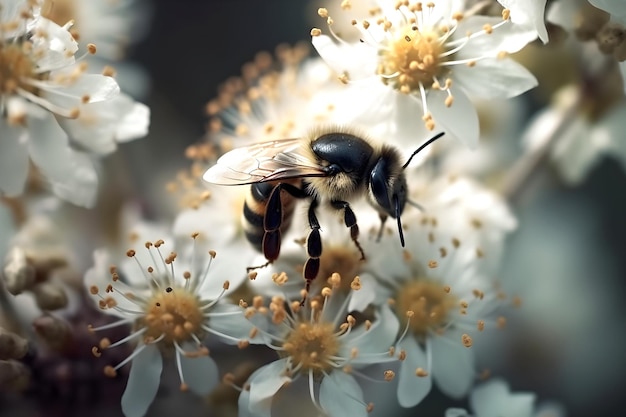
(567, 342)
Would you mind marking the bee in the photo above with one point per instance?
(332, 167)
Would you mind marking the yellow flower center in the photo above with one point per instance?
(412, 58)
(175, 314)
(16, 66)
(341, 260)
(312, 346)
(430, 303)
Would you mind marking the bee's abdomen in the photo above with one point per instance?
(254, 210)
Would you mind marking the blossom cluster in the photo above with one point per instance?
(338, 243)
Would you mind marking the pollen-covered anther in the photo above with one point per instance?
(91, 48)
(226, 285)
(368, 324)
(501, 322)
(356, 283)
(316, 32)
(130, 253)
(96, 352)
(322, 12)
(466, 340)
(93, 290)
(421, 372)
(481, 325)
(110, 371)
(370, 407)
(326, 292)
(506, 14)
(346, 5)
(433, 264)
(242, 344)
(344, 78)
(389, 375)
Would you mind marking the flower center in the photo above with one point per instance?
(412, 58)
(175, 314)
(16, 66)
(312, 346)
(429, 302)
(340, 260)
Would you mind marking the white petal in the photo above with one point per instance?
(622, 69)
(528, 13)
(494, 399)
(243, 404)
(365, 295)
(460, 119)
(143, 382)
(134, 124)
(264, 383)
(341, 395)
(453, 364)
(71, 174)
(13, 159)
(494, 78)
(96, 87)
(412, 388)
(233, 325)
(359, 60)
(457, 412)
(378, 339)
(99, 276)
(200, 373)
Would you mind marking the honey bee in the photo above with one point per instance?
(331, 166)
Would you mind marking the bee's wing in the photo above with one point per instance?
(262, 162)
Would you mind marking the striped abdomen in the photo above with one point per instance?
(254, 221)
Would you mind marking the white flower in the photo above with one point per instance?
(460, 206)
(444, 301)
(46, 96)
(218, 222)
(113, 26)
(426, 58)
(324, 345)
(171, 312)
(274, 100)
(582, 141)
(494, 399)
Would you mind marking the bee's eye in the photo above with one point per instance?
(379, 185)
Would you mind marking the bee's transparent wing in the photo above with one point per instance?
(262, 162)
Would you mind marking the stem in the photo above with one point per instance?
(526, 169)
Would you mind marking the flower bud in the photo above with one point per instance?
(13, 375)
(18, 273)
(50, 296)
(12, 346)
(54, 331)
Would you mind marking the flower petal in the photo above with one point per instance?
(457, 412)
(412, 388)
(229, 320)
(341, 395)
(460, 119)
(13, 159)
(200, 373)
(494, 399)
(452, 364)
(143, 381)
(494, 78)
(264, 383)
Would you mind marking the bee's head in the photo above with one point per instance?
(388, 187)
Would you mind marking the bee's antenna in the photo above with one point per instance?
(397, 207)
(428, 142)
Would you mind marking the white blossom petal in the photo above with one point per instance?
(264, 384)
(460, 119)
(495, 78)
(13, 159)
(452, 364)
(412, 389)
(143, 381)
(200, 373)
(493, 399)
(529, 13)
(341, 395)
(229, 319)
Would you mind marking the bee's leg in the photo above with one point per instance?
(271, 224)
(383, 219)
(350, 221)
(313, 249)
